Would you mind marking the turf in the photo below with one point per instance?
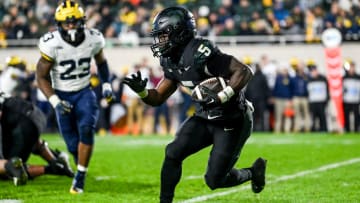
(301, 168)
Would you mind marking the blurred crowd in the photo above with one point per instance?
(130, 20)
(288, 97)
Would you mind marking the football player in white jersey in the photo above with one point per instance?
(15, 71)
(66, 56)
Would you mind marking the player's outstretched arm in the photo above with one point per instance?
(163, 91)
(153, 97)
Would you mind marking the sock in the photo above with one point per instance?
(81, 168)
(48, 169)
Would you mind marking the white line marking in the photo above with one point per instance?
(193, 177)
(101, 178)
(282, 178)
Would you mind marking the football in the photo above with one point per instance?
(213, 85)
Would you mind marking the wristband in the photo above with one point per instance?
(143, 93)
(226, 94)
(54, 100)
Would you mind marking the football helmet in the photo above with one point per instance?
(16, 61)
(172, 28)
(69, 12)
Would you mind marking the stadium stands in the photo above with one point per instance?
(128, 21)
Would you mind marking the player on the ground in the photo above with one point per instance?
(66, 56)
(223, 120)
(20, 126)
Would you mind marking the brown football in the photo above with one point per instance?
(214, 84)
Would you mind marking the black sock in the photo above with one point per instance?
(51, 168)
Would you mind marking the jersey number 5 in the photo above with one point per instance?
(71, 64)
(205, 50)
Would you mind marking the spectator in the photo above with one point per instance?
(258, 92)
(300, 99)
(282, 96)
(351, 97)
(318, 91)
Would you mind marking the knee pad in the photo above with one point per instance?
(87, 135)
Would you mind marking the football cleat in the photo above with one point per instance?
(77, 186)
(15, 168)
(258, 175)
(75, 190)
(63, 160)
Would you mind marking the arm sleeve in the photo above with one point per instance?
(104, 72)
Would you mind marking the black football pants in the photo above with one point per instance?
(19, 140)
(197, 133)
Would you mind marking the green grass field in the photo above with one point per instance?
(301, 168)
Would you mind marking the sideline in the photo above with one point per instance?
(280, 179)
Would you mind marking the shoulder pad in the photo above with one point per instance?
(47, 44)
(48, 39)
(96, 38)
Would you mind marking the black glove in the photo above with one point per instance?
(135, 82)
(63, 107)
(210, 99)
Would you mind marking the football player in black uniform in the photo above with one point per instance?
(223, 120)
(20, 126)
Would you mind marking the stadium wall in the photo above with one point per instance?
(124, 58)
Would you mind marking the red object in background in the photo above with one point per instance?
(333, 62)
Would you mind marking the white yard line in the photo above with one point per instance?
(282, 178)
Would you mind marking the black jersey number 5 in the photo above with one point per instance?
(71, 64)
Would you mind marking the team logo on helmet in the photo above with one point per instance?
(68, 10)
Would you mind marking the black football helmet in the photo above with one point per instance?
(172, 28)
(70, 12)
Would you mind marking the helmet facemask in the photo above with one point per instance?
(161, 43)
(73, 36)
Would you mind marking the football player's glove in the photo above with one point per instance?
(63, 107)
(136, 83)
(211, 98)
(107, 92)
